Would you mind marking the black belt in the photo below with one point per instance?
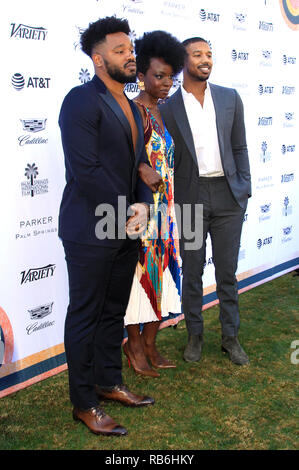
(211, 178)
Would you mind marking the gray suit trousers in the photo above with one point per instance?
(222, 219)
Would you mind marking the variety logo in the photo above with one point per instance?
(264, 26)
(18, 82)
(239, 55)
(288, 149)
(23, 31)
(265, 90)
(287, 208)
(33, 126)
(213, 17)
(33, 186)
(131, 88)
(287, 177)
(288, 90)
(35, 274)
(262, 242)
(265, 121)
(38, 313)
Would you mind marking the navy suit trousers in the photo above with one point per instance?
(100, 280)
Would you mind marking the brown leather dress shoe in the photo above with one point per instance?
(98, 422)
(123, 395)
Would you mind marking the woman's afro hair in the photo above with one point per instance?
(161, 45)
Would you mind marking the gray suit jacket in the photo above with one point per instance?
(232, 145)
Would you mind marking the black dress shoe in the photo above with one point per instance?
(231, 345)
(123, 395)
(193, 349)
(98, 422)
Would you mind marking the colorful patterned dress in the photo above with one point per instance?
(156, 288)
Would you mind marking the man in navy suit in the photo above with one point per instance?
(212, 170)
(105, 159)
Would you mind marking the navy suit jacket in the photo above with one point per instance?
(232, 145)
(100, 160)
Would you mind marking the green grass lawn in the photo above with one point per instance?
(211, 405)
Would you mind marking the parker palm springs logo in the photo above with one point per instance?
(33, 186)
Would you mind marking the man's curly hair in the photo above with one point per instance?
(97, 32)
(160, 45)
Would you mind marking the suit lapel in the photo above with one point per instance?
(107, 97)
(180, 115)
(220, 114)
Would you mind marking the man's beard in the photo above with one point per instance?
(119, 75)
(197, 77)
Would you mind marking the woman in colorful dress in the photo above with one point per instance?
(156, 289)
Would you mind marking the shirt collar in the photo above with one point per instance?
(187, 95)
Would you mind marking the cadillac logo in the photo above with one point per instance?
(41, 311)
(33, 125)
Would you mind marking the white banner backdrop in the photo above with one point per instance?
(255, 49)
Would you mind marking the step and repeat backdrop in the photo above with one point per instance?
(255, 49)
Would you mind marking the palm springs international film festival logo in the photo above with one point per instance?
(290, 13)
(33, 186)
(22, 31)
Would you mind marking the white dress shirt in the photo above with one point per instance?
(202, 121)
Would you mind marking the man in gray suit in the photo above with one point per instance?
(206, 122)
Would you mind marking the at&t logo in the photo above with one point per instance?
(18, 82)
(262, 89)
(214, 17)
(239, 55)
(265, 241)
